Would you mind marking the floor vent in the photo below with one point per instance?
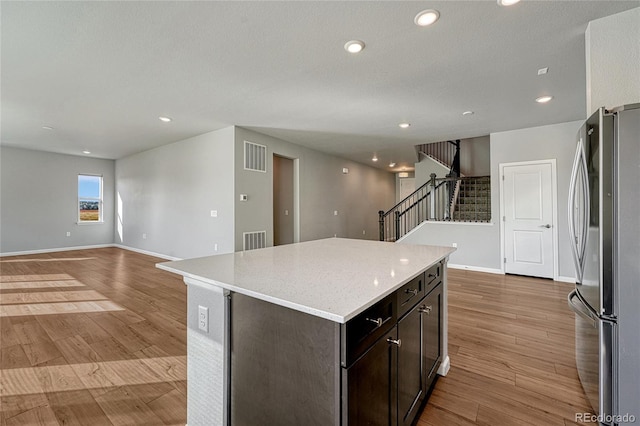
(255, 157)
(254, 240)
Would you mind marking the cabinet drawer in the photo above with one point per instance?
(432, 277)
(410, 294)
(362, 331)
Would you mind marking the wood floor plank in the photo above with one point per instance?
(118, 326)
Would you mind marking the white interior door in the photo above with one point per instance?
(528, 214)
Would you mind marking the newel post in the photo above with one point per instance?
(432, 198)
(381, 223)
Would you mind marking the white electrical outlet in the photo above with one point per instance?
(335, 212)
(214, 213)
(144, 236)
(68, 234)
(203, 318)
(286, 212)
(215, 247)
(364, 232)
(454, 244)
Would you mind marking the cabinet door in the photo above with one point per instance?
(410, 359)
(432, 316)
(369, 385)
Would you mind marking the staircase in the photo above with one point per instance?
(453, 198)
(473, 203)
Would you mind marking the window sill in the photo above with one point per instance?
(101, 222)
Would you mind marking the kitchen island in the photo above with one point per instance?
(333, 331)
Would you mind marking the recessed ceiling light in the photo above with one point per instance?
(468, 113)
(86, 152)
(543, 99)
(392, 164)
(404, 125)
(426, 17)
(375, 158)
(165, 119)
(354, 46)
(47, 127)
(507, 2)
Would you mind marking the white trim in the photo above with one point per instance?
(444, 366)
(53, 250)
(148, 253)
(476, 268)
(563, 279)
(554, 208)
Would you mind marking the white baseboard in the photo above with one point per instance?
(148, 253)
(475, 268)
(53, 250)
(562, 279)
(120, 246)
(444, 366)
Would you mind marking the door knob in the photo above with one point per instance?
(545, 226)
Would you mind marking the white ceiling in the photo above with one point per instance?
(100, 73)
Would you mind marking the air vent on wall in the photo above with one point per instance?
(255, 157)
(254, 240)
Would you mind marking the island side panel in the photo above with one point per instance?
(207, 355)
(285, 366)
(446, 363)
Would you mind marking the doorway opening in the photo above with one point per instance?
(284, 200)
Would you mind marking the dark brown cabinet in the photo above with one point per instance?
(387, 382)
(367, 394)
(432, 326)
(291, 368)
(410, 359)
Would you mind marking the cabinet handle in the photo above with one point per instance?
(413, 292)
(425, 309)
(432, 275)
(395, 342)
(376, 321)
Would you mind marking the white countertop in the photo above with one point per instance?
(335, 278)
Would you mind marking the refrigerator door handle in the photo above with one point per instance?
(587, 208)
(581, 310)
(572, 225)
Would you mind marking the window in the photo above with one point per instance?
(89, 199)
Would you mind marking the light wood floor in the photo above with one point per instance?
(511, 344)
(98, 337)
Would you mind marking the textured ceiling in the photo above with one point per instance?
(100, 73)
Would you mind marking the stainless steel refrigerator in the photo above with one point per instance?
(604, 228)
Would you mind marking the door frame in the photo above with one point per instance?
(554, 209)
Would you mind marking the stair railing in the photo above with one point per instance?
(433, 202)
(429, 202)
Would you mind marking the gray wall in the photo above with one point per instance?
(613, 60)
(357, 196)
(479, 245)
(475, 156)
(427, 166)
(540, 143)
(475, 160)
(39, 201)
(168, 193)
